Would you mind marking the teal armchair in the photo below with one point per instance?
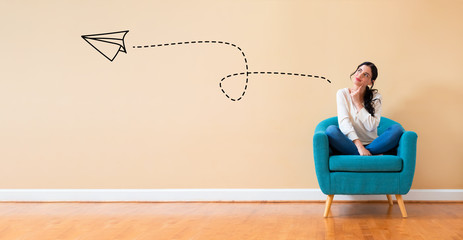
(364, 175)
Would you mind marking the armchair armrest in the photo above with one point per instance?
(321, 158)
(407, 151)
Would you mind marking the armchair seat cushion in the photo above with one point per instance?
(355, 163)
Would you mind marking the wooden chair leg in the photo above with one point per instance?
(400, 201)
(389, 199)
(329, 200)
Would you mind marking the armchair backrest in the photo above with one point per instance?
(384, 124)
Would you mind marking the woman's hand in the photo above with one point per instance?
(356, 98)
(362, 150)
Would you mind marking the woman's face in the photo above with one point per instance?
(362, 76)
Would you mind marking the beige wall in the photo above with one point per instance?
(156, 118)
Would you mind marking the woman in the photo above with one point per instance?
(359, 113)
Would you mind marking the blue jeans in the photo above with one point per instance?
(384, 143)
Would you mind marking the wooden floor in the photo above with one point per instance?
(241, 221)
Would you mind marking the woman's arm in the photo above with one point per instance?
(371, 122)
(344, 122)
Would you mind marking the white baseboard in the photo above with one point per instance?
(188, 195)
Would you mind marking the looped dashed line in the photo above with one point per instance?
(235, 74)
(275, 73)
(209, 42)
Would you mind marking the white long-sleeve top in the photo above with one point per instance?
(357, 124)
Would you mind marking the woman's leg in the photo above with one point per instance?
(386, 141)
(339, 142)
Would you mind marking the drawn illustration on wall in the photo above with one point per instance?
(110, 44)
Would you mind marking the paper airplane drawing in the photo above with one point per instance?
(108, 44)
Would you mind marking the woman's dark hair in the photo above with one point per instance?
(368, 97)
